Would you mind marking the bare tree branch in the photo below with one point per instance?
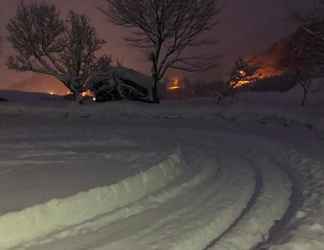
(306, 59)
(167, 28)
(46, 43)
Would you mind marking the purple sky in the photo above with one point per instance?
(247, 26)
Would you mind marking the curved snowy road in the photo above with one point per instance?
(210, 190)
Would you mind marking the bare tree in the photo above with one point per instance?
(64, 48)
(306, 59)
(166, 28)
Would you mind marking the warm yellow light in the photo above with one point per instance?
(241, 83)
(261, 73)
(51, 93)
(87, 93)
(174, 85)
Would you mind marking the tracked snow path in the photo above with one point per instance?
(196, 217)
(267, 208)
(221, 201)
(216, 198)
(36, 221)
(182, 217)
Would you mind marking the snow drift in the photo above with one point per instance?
(43, 219)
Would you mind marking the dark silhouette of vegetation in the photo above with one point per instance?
(242, 75)
(166, 28)
(307, 48)
(46, 43)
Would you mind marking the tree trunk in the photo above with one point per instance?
(79, 99)
(155, 94)
(74, 87)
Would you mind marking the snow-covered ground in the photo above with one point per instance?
(183, 175)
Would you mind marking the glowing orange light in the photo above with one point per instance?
(87, 93)
(261, 73)
(241, 83)
(51, 93)
(174, 85)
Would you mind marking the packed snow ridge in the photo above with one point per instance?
(40, 220)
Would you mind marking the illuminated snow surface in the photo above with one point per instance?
(183, 175)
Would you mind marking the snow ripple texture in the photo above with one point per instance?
(30, 223)
(222, 200)
(268, 207)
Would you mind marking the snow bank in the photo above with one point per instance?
(40, 220)
(196, 217)
(184, 184)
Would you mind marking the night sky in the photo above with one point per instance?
(246, 27)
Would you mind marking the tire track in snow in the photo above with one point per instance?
(192, 224)
(195, 234)
(181, 219)
(296, 201)
(185, 223)
(257, 190)
(42, 219)
(269, 207)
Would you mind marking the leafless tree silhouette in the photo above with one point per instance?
(167, 28)
(48, 44)
(306, 47)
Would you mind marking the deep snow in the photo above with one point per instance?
(230, 187)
